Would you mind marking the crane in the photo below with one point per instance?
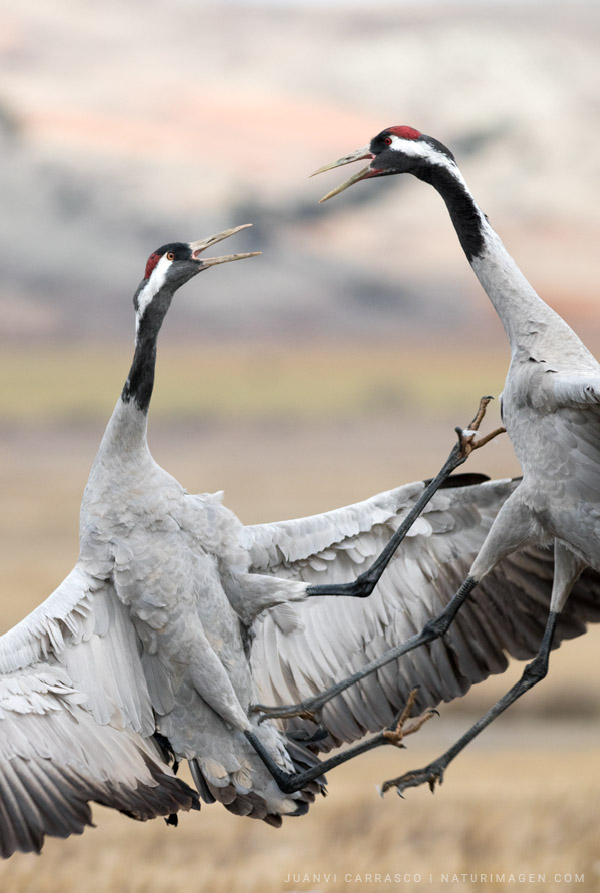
(550, 407)
(75, 722)
(140, 656)
(177, 617)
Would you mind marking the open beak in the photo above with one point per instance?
(201, 245)
(362, 174)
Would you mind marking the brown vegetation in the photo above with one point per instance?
(523, 799)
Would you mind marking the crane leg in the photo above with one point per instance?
(311, 708)
(434, 772)
(509, 532)
(290, 782)
(365, 583)
(567, 568)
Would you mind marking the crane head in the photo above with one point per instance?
(396, 150)
(171, 265)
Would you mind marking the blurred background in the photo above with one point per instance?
(334, 366)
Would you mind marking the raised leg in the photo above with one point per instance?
(567, 568)
(434, 772)
(510, 531)
(289, 782)
(365, 583)
(433, 629)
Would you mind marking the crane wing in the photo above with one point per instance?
(75, 719)
(355, 532)
(336, 636)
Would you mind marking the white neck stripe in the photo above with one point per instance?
(421, 149)
(152, 287)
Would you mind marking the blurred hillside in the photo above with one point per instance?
(125, 126)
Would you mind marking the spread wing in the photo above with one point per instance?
(76, 719)
(505, 615)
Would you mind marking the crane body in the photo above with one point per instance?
(177, 618)
(550, 408)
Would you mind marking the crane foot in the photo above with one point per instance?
(432, 774)
(467, 440)
(396, 734)
(310, 710)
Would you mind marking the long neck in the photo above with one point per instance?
(129, 422)
(524, 315)
(140, 381)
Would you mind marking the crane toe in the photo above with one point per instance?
(432, 774)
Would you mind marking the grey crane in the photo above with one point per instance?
(176, 618)
(550, 407)
(142, 653)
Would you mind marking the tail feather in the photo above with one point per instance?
(259, 804)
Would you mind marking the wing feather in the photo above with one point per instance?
(288, 544)
(337, 636)
(76, 719)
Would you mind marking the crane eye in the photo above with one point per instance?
(388, 141)
(170, 255)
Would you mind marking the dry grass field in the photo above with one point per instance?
(285, 433)
(503, 811)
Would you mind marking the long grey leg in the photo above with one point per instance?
(509, 532)
(567, 569)
(365, 583)
(290, 782)
(433, 629)
(434, 772)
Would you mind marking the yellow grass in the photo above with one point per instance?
(524, 799)
(499, 813)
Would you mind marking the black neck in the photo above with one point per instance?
(140, 380)
(464, 213)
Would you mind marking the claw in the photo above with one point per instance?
(430, 775)
(480, 414)
(394, 735)
(467, 441)
(286, 713)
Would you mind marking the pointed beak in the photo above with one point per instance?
(362, 174)
(202, 244)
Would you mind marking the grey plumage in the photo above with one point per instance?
(176, 618)
(339, 636)
(550, 408)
